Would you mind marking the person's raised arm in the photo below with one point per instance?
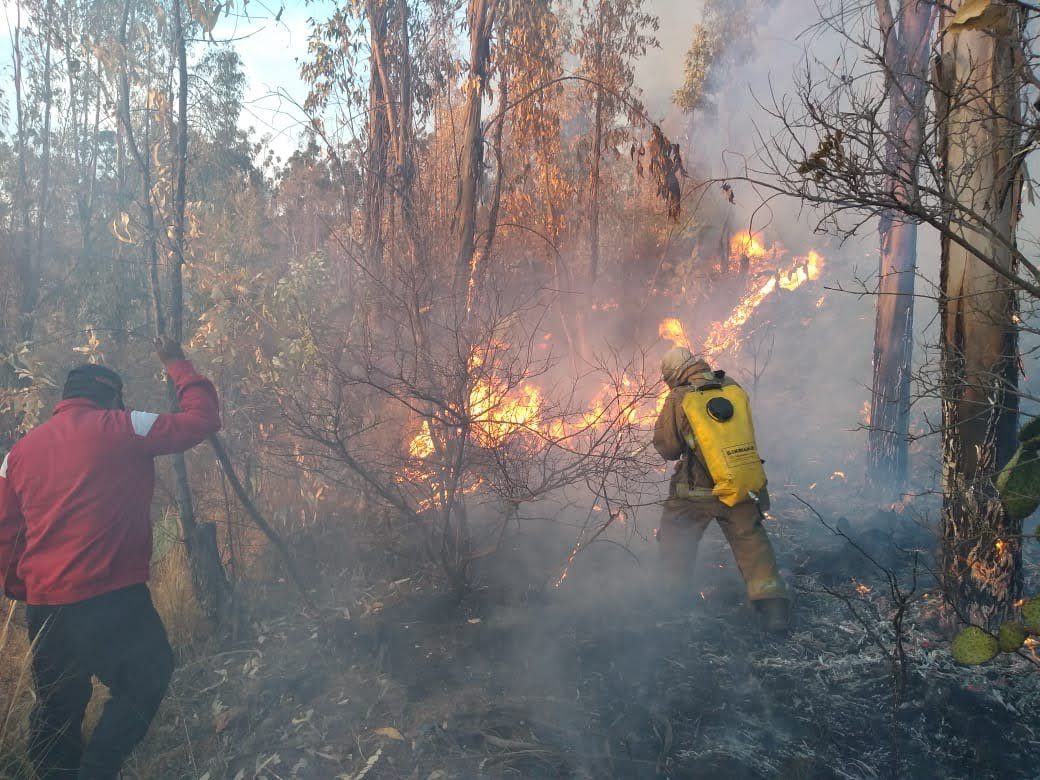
(199, 414)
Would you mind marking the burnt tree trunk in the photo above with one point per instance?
(906, 47)
(978, 98)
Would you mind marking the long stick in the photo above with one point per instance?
(258, 519)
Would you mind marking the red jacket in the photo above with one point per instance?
(76, 493)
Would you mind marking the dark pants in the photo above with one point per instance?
(118, 638)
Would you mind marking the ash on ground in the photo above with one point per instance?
(606, 677)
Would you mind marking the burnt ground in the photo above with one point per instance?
(601, 677)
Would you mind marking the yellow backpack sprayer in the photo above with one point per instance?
(720, 416)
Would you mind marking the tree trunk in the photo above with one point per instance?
(597, 153)
(45, 154)
(906, 61)
(398, 108)
(211, 585)
(979, 89)
(26, 270)
(483, 256)
(376, 154)
(481, 18)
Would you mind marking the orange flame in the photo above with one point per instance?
(498, 412)
(746, 243)
(421, 446)
(726, 335)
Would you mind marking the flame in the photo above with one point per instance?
(863, 589)
(726, 335)
(746, 243)
(421, 446)
(838, 475)
(805, 269)
(498, 412)
(672, 330)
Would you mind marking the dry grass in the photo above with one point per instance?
(15, 693)
(175, 601)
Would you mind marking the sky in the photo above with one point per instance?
(272, 51)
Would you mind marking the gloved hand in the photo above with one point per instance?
(168, 350)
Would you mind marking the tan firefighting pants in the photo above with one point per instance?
(684, 522)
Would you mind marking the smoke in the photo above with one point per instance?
(813, 368)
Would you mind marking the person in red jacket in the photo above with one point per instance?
(75, 545)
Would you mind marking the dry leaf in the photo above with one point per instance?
(390, 732)
(981, 15)
(372, 761)
(226, 718)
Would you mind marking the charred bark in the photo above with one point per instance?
(483, 256)
(978, 97)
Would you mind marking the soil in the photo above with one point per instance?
(601, 677)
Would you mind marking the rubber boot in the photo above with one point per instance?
(774, 614)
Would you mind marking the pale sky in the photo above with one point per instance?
(271, 52)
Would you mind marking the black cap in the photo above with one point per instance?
(94, 383)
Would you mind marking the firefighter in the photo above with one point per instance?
(716, 406)
(75, 545)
